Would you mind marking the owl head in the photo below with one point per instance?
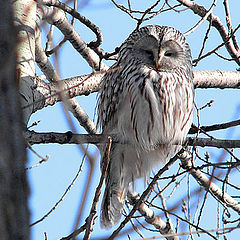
(161, 48)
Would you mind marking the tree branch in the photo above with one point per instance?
(194, 129)
(216, 22)
(207, 183)
(90, 219)
(47, 94)
(142, 197)
(71, 138)
(78, 16)
(57, 17)
(151, 218)
(14, 189)
(42, 60)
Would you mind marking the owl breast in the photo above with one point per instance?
(157, 109)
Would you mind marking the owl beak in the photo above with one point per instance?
(159, 61)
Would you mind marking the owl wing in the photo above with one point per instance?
(110, 98)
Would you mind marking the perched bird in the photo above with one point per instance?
(147, 101)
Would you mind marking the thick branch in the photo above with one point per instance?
(25, 21)
(216, 79)
(70, 138)
(46, 94)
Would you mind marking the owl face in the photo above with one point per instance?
(158, 47)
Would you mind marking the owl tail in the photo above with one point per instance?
(115, 193)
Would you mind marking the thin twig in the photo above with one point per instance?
(218, 47)
(204, 43)
(143, 196)
(204, 181)
(229, 24)
(43, 159)
(194, 232)
(201, 11)
(194, 129)
(80, 17)
(90, 219)
(63, 196)
(202, 20)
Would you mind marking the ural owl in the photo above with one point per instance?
(148, 103)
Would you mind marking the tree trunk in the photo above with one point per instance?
(14, 214)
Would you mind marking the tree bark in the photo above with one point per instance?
(14, 214)
(25, 22)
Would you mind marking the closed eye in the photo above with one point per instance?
(169, 54)
(150, 54)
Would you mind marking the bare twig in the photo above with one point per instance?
(78, 16)
(56, 48)
(236, 58)
(194, 129)
(202, 20)
(75, 233)
(201, 11)
(42, 60)
(229, 24)
(43, 159)
(149, 11)
(195, 232)
(204, 181)
(90, 219)
(146, 12)
(143, 196)
(62, 197)
(203, 44)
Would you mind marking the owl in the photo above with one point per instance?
(147, 102)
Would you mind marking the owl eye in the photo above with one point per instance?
(170, 54)
(150, 54)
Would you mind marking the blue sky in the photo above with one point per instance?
(49, 181)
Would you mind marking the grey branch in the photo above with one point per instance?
(42, 60)
(71, 138)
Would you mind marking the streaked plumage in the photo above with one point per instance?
(147, 102)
